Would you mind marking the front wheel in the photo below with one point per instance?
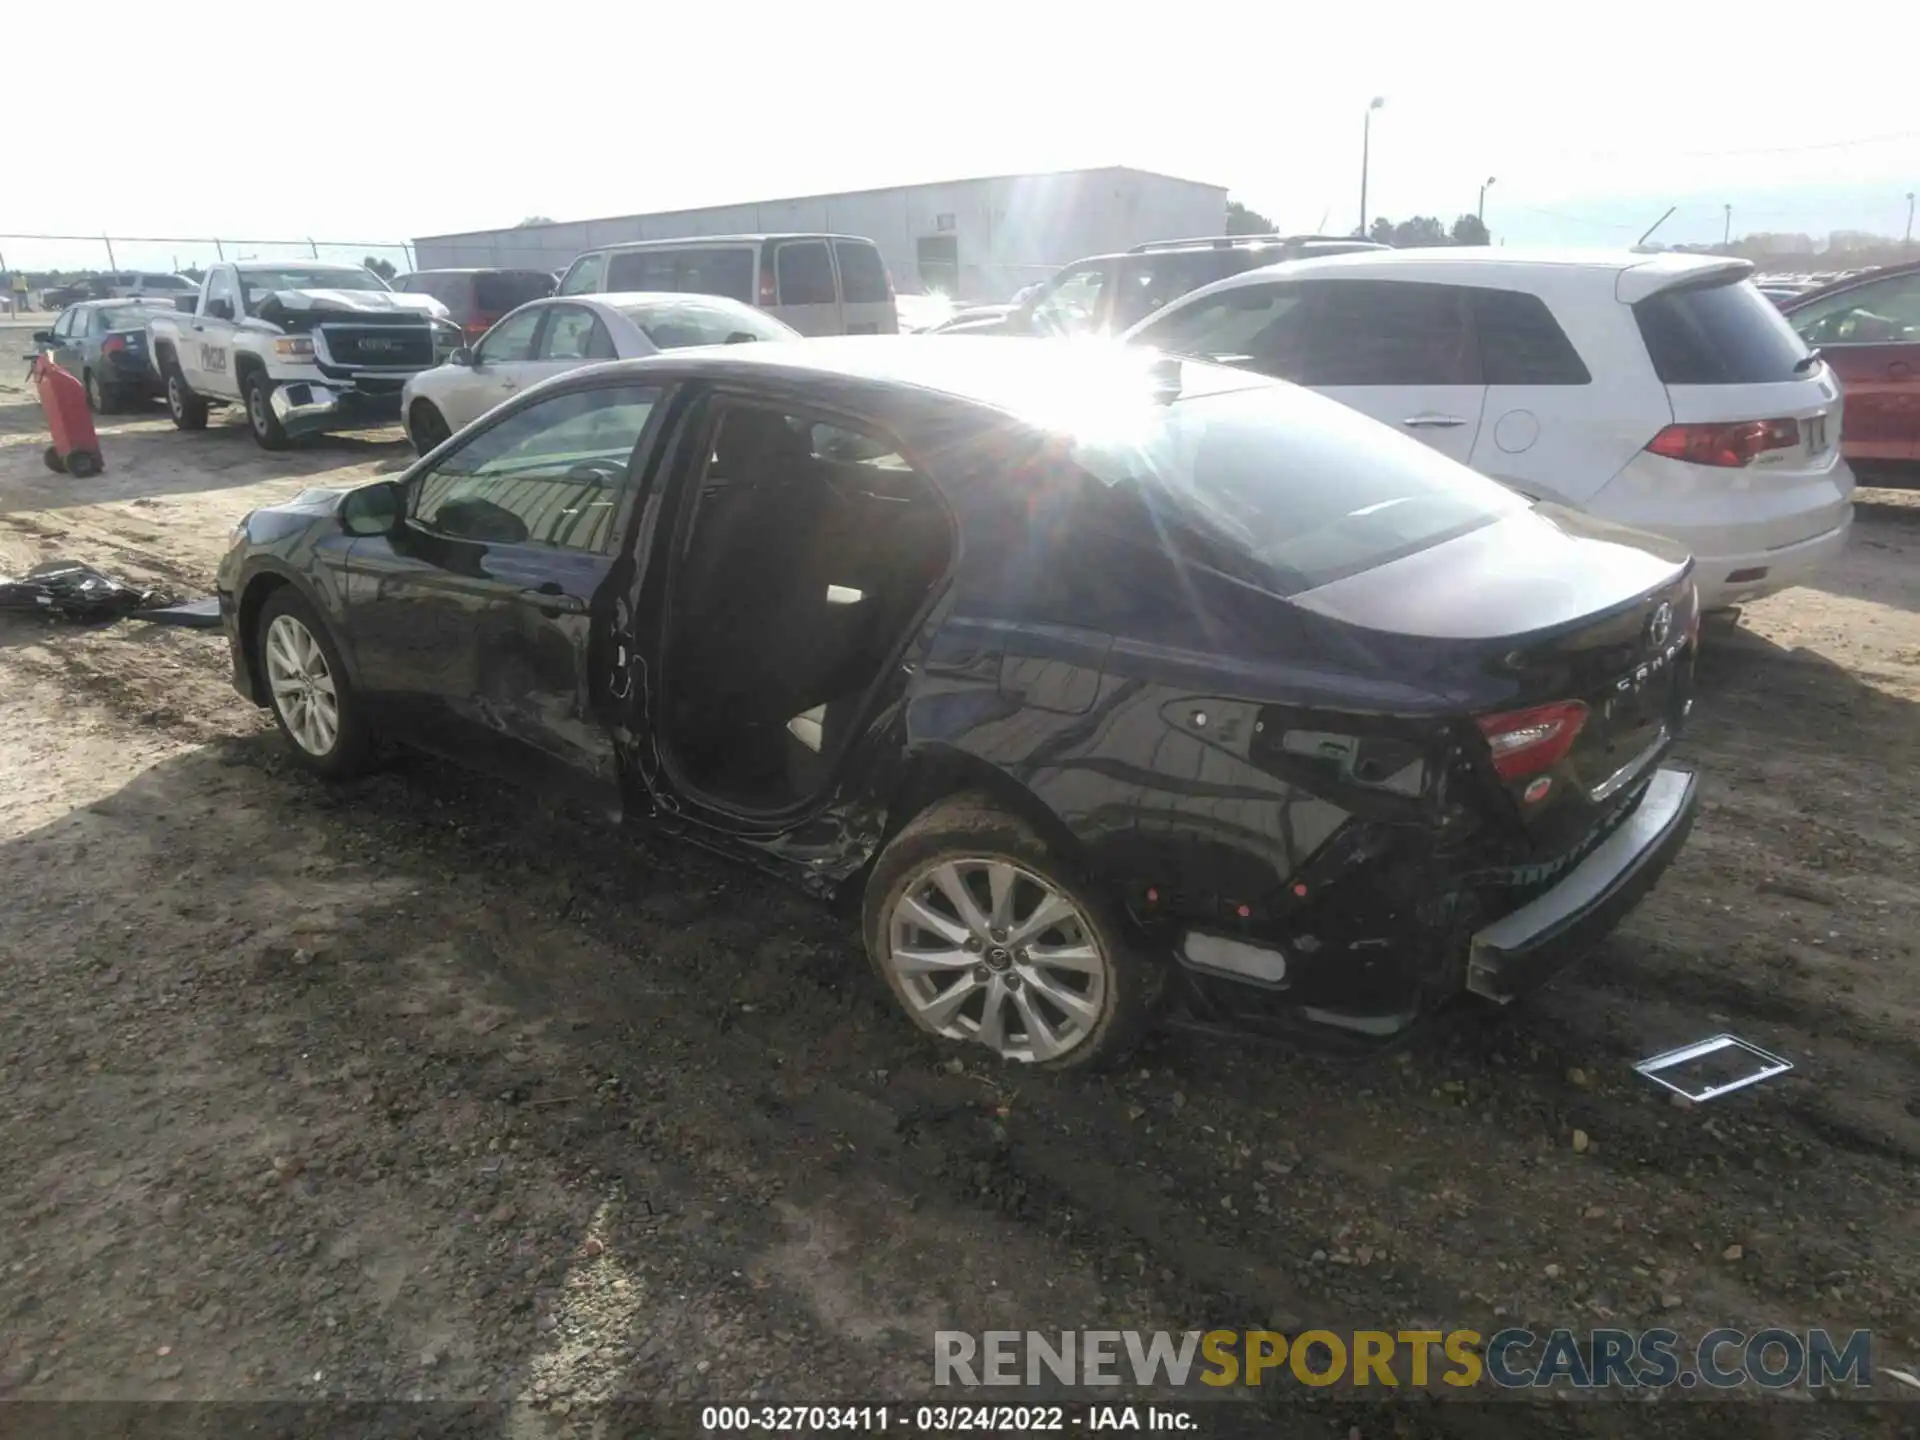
(188, 410)
(426, 426)
(266, 426)
(312, 699)
(985, 936)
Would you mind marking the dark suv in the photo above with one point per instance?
(1106, 294)
(477, 298)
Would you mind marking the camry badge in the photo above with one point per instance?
(1660, 625)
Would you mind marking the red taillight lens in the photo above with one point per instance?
(1735, 444)
(1525, 742)
(113, 345)
(476, 328)
(769, 292)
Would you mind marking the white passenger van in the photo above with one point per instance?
(818, 284)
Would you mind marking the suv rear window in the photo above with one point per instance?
(497, 294)
(724, 271)
(1284, 488)
(1722, 334)
(863, 279)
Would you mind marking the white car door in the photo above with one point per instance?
(500, 364)
(1401, 351)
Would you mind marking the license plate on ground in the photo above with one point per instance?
(1817, 435)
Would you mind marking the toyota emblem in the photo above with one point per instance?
(1660, 625)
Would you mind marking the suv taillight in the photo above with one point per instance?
(1728, 445)
(769, 291)
(1525, 742)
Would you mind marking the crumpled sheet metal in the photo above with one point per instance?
(69, 590)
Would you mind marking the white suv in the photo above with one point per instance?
(1663, 392)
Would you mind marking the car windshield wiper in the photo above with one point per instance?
(1806, 362)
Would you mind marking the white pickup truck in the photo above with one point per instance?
(305, 346)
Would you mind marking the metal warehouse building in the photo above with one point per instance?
(973, 239)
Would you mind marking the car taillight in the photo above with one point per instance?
(113, 345)
(474, 329)
(1733, 445)
(1525, 742)
(769, 291)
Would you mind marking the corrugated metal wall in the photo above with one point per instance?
(1008, 231)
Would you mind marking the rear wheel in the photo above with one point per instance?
(426, 426)
(101, 399)
(266, 426)
(188, 410)
(985, 936)
(312, 700)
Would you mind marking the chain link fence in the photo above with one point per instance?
(37, 264)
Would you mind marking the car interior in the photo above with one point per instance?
(806, 549)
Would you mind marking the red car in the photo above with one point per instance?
(1867, 327)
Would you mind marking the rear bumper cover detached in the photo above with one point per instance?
(1527, 947)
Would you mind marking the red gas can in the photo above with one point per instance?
(76, 444)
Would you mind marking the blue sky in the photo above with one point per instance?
(379, 122)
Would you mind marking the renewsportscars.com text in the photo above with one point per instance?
(1510, 1359)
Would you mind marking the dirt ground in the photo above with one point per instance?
(408, 1088)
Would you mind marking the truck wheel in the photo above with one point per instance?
(54, 462)
(266, 426)
(985, 936)
(188, 410)
(102, 399)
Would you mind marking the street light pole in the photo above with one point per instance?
(1481, 213)
(1366, 144)
(1726, 235)
(1909, 217)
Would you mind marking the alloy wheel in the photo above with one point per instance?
(985, 951)
(302, 685)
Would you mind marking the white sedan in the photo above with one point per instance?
(548, 337)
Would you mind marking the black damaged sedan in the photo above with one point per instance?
(1098, 681)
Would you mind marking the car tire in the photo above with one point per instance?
(426, 426)
(101, 399)
(1076, 994)
(268, 432)
(188, 410)
(313, 701)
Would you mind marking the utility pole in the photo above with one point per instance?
(112, 264)
(1726, 234)
(1909, 217)
(1366, 145)
(1480, 214)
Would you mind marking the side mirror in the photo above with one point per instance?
(185, 303)
(464, 356)
(43, 337)
(373, 509)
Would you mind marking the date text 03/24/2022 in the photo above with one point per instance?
(942, 1419)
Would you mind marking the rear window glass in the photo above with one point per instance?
(1284, 488)
(126, 317)
(863, 279)
(675, 327)
(727, 272)
(1521, 343)
(804, 274)
(497, 294)
(1726, 334)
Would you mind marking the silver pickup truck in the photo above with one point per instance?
(305, 346)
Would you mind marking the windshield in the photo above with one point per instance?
(1284, 488)
(678, 326)
(265, 282)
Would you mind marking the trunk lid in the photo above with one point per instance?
(1568, 641)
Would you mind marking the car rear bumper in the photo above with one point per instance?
(1529, 946)
(1726, 580)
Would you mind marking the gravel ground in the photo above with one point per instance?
(411, 1088)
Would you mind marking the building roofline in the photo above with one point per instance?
(834, 194)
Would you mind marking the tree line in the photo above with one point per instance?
(1412, 234)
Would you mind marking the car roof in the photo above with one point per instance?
(1459, 263)
(1848, 282)
(629, 299)
(243, 266)
(1028, 379)
(122, 301)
